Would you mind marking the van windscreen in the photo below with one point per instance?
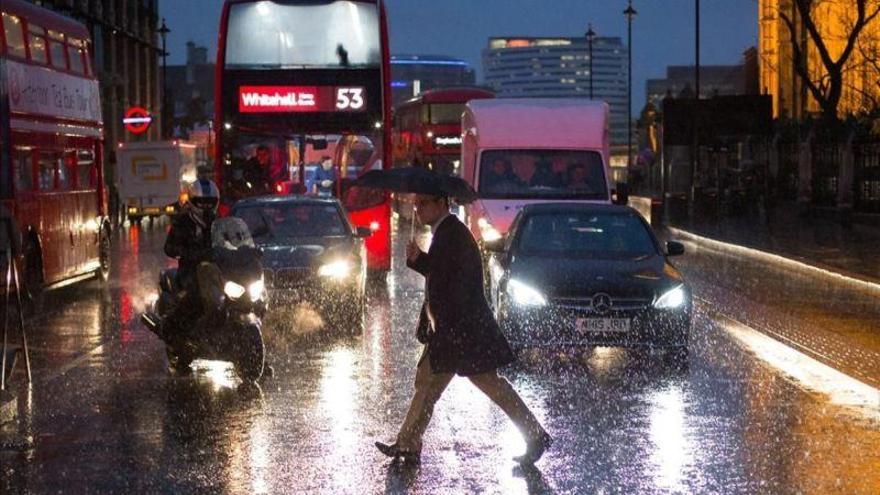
(542, 174)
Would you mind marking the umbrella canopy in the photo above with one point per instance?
(418, 180)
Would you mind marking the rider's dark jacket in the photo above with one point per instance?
(189, 241)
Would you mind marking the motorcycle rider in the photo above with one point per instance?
(189, 241)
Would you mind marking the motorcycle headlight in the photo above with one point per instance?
(337, 270)
(487, 231)
(524, 294)
(672, 299)
(255, 290)
(233, 290)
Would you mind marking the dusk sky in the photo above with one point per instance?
(663, 31)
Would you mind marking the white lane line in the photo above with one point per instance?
(777, 259)
(840, 388)
(71, 365)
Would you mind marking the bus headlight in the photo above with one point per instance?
(487, 231)
(233, 290)
(672, 299)
(255, 290)
(337, 270)
(524, 294)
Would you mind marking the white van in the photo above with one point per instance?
(518, 151)
(152, 175)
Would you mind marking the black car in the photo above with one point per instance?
(311, 253)
(587, 274)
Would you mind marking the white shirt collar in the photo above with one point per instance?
(438, 222)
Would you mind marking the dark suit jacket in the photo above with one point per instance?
(464, 337)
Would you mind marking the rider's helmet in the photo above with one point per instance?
(203, 195)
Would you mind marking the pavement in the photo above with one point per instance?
(780, 395)
(852, 250)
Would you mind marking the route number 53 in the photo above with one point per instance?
(349, 98)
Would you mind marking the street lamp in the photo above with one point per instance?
(695, 161)
(163, 32)
(590, 36)
(630, 13)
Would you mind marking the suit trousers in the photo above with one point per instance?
(429, 386)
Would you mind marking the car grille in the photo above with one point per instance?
(586, 303)
(288, 277)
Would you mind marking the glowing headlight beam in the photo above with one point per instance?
(233, 290)
(255, 290)
(524, 294)
(337, 269)
(672, 299)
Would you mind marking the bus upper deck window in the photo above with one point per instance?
(86, 171)
(23, 167)
(75, 55)
(48, 163)
(57, 54)
(38, 44)
(12, 27)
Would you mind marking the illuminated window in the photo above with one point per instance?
(48, 163)
(56, 50)
(14, 36)
(75, 55)
(38, 44)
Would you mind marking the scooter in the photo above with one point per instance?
(236, 334)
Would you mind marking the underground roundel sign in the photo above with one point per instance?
(137, 120)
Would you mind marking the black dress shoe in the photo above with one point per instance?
(395, 452)
(535, 449)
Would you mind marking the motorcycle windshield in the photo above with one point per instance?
(231, 233)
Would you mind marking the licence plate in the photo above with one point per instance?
(602, 325)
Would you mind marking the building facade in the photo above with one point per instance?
(127, 56)
(191, 89)
(715, 80)
(414, 74)
(778, 77)
(560, 67)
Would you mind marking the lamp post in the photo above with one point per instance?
(695, 161)
(163, 32)
(630, 14)
(590, 36)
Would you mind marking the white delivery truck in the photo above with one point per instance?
(152, 175)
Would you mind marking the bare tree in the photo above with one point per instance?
(826, 87)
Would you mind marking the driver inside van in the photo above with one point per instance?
(500, 177)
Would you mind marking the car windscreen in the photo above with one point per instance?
(542, 174)
(284, 34)
(595, 235)
(270, 222)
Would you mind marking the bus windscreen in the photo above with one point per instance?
(285, 34)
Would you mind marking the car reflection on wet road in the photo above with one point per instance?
(105, 416)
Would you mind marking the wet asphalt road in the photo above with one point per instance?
(105, 416)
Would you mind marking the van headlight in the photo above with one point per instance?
(487, 231)
(233, 290)
(524, 294)
(337, 270)
(255, 290)
(672, 299)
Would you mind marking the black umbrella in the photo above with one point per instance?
(418, 180)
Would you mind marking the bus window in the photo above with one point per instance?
(37, 42)
(67, 172)
(87, 174)
(75, 55)
(56, 50)
(14, 36)
(23, 166)
(48, 162)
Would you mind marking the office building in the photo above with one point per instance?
(413, 74)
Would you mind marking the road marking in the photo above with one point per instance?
(840, 388)
(71, 365)
(779, 260)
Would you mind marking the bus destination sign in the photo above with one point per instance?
(298, 99)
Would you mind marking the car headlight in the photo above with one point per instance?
(524, 294)
(233, 290)
(255, 290)
(487, 231)
(337, 269)
(672, 299)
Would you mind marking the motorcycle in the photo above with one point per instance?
(236, 334)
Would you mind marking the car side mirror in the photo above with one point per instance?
(674, 248)
(495, 245)
(620, 195)
(363, 232)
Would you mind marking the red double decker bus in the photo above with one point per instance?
(427, 129)
(51, 146)
(299, 78)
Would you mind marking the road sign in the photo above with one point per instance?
(137, 120)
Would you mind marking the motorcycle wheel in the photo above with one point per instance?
(250, 355)
(179, 361)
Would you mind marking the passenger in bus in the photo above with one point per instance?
(544, 175)
(257, 171)
(579, 177)
(325, 178)
(501, 177)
